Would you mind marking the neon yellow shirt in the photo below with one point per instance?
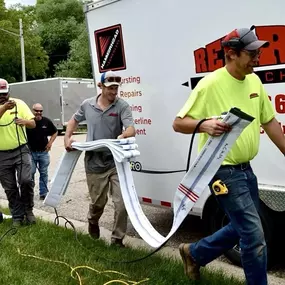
(8, 134)
(218, 92)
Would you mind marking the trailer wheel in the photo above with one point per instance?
(217, 219)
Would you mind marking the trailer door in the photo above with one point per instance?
(73, 93)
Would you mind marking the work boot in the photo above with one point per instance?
(191, 268)
(94, 231)
(30, 218)
(117, 242)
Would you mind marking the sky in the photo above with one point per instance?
(24, 2)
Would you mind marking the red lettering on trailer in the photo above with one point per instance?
(275, 52)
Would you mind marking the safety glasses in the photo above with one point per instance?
(116, 79)
(38, 111)
(253, 53)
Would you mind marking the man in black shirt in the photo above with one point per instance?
(40, 146)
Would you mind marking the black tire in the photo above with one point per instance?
(217, 219)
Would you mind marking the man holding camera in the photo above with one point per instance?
(15, 167)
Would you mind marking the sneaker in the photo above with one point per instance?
(42, 197)
(117, 242)
(17, 223)
(94, 231)
(191, 268)
(30, 218)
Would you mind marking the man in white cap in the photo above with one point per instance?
(106, 115)
(15, 117)
(234, 85)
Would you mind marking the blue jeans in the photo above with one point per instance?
(41, 161)
(240, 205)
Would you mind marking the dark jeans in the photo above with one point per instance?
(240, 205)
(41, 161)
(15, 169)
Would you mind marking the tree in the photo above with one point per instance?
(78, 63)
(2, 9)
(59, 9)
(10, 56)
(59, 24)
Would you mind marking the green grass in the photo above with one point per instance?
(32, 256)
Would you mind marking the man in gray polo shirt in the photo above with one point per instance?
(106, 115)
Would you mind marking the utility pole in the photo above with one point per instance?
(22, 50)
(22, 46)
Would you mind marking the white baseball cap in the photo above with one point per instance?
(110, 78)
(4, 86)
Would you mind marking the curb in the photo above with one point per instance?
(169, 252)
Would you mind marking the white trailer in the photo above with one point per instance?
(162, 49)
(60, 97)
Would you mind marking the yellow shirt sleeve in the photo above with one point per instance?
(267, 111)
(195, 105)
(24, 112)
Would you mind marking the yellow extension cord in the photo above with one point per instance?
(78, 277)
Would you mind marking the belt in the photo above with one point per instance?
(241, 166)
(14, 149)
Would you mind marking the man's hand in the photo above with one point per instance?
(215, 127)
(21, 122)
(9, 105)
(48, 146)
(67, 143)
(127, 133)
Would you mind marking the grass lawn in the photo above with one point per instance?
(46, 254)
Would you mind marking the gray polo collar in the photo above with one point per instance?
(95, 100)
(95, 105)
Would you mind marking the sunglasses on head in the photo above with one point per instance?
(116, 79)
(38, 111)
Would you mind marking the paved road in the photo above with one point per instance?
(75, 205)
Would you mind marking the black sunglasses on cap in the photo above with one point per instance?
(116, 79)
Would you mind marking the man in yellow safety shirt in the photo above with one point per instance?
(234, 85)
(15, 166)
